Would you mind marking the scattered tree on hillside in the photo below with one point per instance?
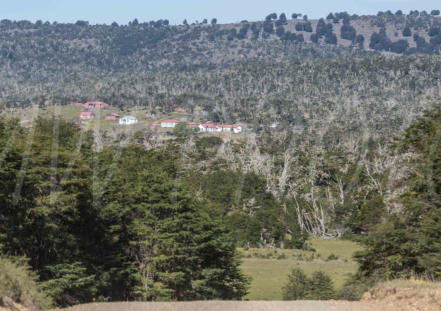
(271, 17)
(282, 19)
(407, 32)
(348, 32)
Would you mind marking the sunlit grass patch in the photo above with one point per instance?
(269, 267)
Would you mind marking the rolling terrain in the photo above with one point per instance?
(44, 51)
(332, 189)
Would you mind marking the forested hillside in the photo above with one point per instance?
(325, 157)
(53, 51)
(332, 147)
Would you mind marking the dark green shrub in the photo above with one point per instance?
(332, 257)
(300, 287)
(297, 286)
(321, 287)
(355, 287)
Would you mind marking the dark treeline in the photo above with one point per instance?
(115, 224)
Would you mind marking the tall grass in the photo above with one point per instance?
(18, 282)
(269, 268)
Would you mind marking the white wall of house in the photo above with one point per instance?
(168, 124)
(128, 121)
(237, 130)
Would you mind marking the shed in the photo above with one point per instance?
(128, 120)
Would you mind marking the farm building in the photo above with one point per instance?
(274, 125)
(113, 117)
(237, 129)
(231, 128)
(128, 120)
(209, 128)
(193, 125)
(87, 115)
(169, 123)
(95, 105)
(226, 128)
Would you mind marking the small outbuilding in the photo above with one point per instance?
(169, 123)
(96, 105)
(128, 120)
(87, 115)
(209, 128)
(113, 117)
(192, 125)
(237, 129)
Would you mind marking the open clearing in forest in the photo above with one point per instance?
(269, 268)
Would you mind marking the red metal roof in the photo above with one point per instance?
(86, 113)
(170, 121)
(209, 125)
(96, 104)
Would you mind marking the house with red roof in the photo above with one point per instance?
(169, 123)
(87, 115)
(209, 128)
(112, 117)
(96, 105)
(226, 128)
(193, 125)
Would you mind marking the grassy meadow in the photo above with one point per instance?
(269, 268)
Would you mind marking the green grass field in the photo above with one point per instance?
(269, 268)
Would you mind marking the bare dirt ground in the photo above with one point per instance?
(241, 306)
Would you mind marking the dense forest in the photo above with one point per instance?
(96, 225)
(353, 153)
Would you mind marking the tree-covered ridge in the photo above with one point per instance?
(325, 161)
(52, 51)
(371, 94)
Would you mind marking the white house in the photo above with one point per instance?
(237, 129)
(169, 123)
(128, 120)
(209, 128)
(274, 125)
(226, 128)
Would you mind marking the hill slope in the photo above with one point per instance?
(44, 51)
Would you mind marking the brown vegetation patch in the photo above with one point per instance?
(416, 295)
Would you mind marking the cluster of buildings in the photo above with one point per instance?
(89, 115)
(129, 120)
(205, 127)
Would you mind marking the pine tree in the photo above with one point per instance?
(408, 243)
(176, 251)
(320, 287)
(297, 286)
